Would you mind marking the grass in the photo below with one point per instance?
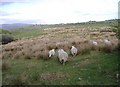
(26, 61)
(4, 31)
(26, 32)
(36, 30)
(91, 69)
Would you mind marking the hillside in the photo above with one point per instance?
(90, 23)
(37, 29)
(13, 26)
(26, 62)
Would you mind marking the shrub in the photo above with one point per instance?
(115, 30)
(2, 31)
(6, 39)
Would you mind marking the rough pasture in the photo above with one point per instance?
(26, 61)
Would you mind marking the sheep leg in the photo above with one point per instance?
(63, 63)
(73, 54)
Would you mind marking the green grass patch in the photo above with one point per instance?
(96, 68)
(27, 32)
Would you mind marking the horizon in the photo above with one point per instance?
(63, 23)
(57, 11)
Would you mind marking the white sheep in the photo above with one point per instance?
(51, 53)
(63, 56)
(74, 51)
(107, 42)
(94, 43)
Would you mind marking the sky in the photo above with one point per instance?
(57, 11)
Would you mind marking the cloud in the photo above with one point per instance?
(59, 11)
(3, 13)
(26, 21)
(5, 3)
(13, 1)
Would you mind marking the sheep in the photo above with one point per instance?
(94, 43)
(62, 56)
(74, 51)
(108, 45)
(107, 42)
(51, 53)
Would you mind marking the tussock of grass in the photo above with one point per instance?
(7, 55)
(18, 55)
(86, 48)
(42, 55)
(27, 56)
(52, 77)
(51, 46)
(5, 65)
(107, 48)
(27, 53)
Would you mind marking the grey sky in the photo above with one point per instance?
(57, 11)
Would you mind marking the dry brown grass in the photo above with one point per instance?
(18, 55)
(7, 54)
(39, 47)
(63, 45)
(112, 34)
(105, 47)
(85, 48)
(27, 52)
(42, 55)
(52, 76)
(51, 46)
(108, 48)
